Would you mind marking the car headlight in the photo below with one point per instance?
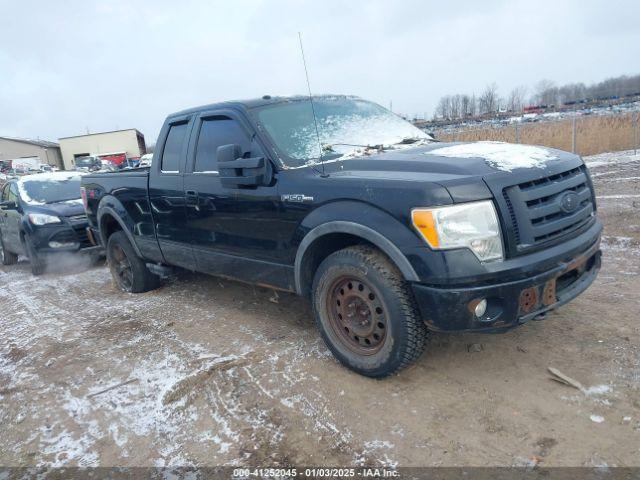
(43, 218)
(468, 225)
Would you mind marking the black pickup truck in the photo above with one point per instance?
(388, 232)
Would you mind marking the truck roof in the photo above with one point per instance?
(257, 102)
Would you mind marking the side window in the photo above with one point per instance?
(173, 148)
(13, 193)
(214, 133)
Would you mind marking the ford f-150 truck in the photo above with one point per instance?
(388, 232)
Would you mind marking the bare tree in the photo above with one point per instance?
(465, 106)
(515, 101)
(473, 106)
(546, 93)
(443, 109)
(489, 101)
(460, 106)
(456, 106)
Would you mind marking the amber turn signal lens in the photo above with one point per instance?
(423, 221)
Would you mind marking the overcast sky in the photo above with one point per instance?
(69, 66)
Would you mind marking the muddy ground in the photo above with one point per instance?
(210, 372)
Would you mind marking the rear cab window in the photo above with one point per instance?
(172, 152)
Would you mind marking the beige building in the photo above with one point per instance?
(15, 148)
(129, 142)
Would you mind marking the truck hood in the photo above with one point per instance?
(462, 168)
(450, 160)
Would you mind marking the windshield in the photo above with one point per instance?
(50, 188)
(346, 126)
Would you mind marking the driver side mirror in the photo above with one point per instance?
(8, 205)
(238, 172)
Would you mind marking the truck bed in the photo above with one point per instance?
(128, 197)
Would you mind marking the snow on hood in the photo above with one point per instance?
(500, 155)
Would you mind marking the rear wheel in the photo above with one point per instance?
(6, 257)
(36, 260)
(365, 312)
(127, 269)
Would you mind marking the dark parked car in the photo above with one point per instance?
(88, 164)
(41, 215)
(388, 232)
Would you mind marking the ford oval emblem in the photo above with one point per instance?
(569, 202)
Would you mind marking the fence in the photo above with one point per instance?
(587, 135)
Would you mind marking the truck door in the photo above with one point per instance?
(233, 231)
(166, 194)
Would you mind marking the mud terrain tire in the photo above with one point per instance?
(129, 272)
(366, 313)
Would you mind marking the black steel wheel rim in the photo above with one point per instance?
(357, 315)
(122, 268)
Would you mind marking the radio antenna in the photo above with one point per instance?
(313, 110)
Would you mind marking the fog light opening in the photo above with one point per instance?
(62, 244)
(481, 308)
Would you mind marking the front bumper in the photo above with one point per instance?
(511, 303)
(51, 239)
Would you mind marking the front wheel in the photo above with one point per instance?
(36, 260)
(6, 257)
(366, 313)
(127, 269)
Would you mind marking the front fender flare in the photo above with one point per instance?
(359, 230)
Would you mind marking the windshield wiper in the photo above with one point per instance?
(410, 140)
(60, 201)
(329, 147)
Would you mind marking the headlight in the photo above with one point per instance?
(469, 225)
(42, 219)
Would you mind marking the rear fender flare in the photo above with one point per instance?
(106, 209)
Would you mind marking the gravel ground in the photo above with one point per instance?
(211, 372)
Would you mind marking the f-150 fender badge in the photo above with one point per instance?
(296, 198)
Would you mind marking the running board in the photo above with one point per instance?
(162, 271)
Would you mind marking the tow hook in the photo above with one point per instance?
(542, 316)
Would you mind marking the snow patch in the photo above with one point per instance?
(500, 155)
(597, 390)
(612, 158)
(375, 449)
(605, 197)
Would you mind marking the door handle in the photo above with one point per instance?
(191, 197)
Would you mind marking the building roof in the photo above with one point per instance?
(39, 143)
(102, 133)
